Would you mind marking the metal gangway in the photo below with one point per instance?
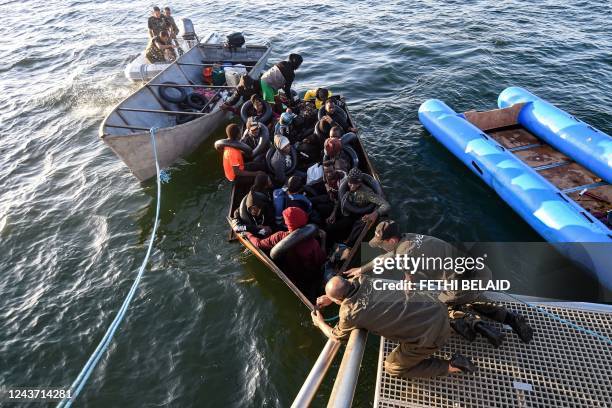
(568, 364)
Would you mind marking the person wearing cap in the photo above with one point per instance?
(317, 96)
(234, 166)
(280, 76)
(303, 263)
(281, 160)
(360, 196)
(257, 219)
(418, 322)
(156, 23)
(252, 134)
(246, 88)
(285, 126)
(464, 309)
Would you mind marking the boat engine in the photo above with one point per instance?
(188, 30)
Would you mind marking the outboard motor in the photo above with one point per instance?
(188, 30)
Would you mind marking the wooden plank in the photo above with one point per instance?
(541, 156)
(494, 119)
(193, 86)
(572, 175)
(592, 204)
(514, 137)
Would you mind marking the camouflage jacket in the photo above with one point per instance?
(153, 52)
(363, 197)
(157, 24)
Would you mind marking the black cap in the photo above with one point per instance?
(355, 176)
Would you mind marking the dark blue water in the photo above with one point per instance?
(210, 326)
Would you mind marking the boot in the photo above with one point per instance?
(519, 326)
(463, 329)
(463, 363)
(493, 336)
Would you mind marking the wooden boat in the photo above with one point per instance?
(238, 193)
(126, 128)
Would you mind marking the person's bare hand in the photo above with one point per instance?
(371, 217)
(331, 219)
(353, 273)
(317, 318)
(323, 301)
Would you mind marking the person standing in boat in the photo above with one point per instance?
(247, 87)
(156, 23)
(160, 49)
(280, 76)
(464, 309)
(418, 322)
(170, 24)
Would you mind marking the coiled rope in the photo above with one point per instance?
(89, 367)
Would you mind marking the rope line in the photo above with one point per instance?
(89, 367)
(562, 320)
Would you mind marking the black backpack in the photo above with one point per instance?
(235, 40)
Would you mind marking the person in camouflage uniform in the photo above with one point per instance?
(157, 23)
(360, 196)
(160, 49)
(170, 25)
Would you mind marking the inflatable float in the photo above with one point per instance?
(551, 168)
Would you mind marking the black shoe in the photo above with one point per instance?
(520, 326)
(494, 336)
(463, 363)
(463, 329)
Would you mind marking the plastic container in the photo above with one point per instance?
(233, 74)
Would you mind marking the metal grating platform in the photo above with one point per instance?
(561, 367)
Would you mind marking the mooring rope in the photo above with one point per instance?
(89, 367)
(564, 321)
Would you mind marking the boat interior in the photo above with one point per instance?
(238, 193)
(577, 182)
(146, 107)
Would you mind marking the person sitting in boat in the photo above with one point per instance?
(282, 159)
(317, 96)
(160, 49)
(255, 217)
(293, 196)
(338, 116)
(233, 159)
(247, 87)
(170, 25)
(332, 178)
(464, 309)
(156, 23)
(417, 322)
(303, 263)
(280, 76)
(360, 196)
(335, 153)
(252, 137)
(257, 108)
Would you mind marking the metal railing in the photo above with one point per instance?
(348, 373)
(316, 375)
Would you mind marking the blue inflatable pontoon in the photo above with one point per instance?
(552, 169)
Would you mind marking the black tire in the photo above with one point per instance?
(291, 240)
(265, 118)
(163, 92)
(196, 101)
(236, 144)
(180, 119)
(348, 207)
(264, 141)
(351, 153)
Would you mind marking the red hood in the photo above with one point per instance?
(294, 218)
